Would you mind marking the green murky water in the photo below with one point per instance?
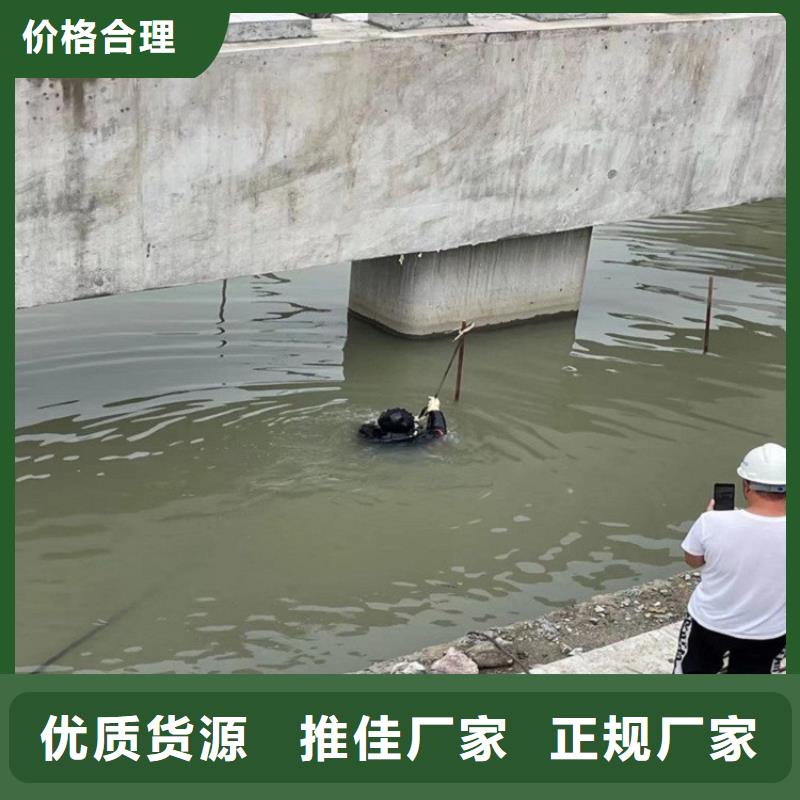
(188, 470)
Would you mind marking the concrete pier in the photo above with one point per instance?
(420, 294)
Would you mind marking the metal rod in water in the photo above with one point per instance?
(708, 313)
(461, 333)
(460, 371)
(100, 625)
(447, 371)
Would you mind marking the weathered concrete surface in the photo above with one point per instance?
(553, 17)
(356, 17)
(403, 22)
(419, 294)
(650, 653)
(360, 143)
(263, 27)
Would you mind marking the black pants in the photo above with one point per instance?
(703, 651)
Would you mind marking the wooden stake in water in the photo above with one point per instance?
(708, 313)
(460, 371)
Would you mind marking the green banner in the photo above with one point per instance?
(88, 40)
(400, 736)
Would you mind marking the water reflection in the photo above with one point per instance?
(203, 513)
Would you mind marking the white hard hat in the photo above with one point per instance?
(765, 467)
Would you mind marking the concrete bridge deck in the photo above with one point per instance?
(358, 143)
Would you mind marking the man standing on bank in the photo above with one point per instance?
(739, 606)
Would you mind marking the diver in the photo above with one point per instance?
(397, 425)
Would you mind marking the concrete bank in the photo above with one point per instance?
(639, 623)
(357, 143)
(650, 653)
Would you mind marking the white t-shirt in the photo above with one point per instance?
(742, 592)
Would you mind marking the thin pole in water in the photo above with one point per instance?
(465, 329)
(460, 371)
(708, 313)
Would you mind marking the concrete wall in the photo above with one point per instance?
(360, 143)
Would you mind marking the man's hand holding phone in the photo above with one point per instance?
(724, 495)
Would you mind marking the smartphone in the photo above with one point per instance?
(724, 496)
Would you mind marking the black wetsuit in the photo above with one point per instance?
(436, 428)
